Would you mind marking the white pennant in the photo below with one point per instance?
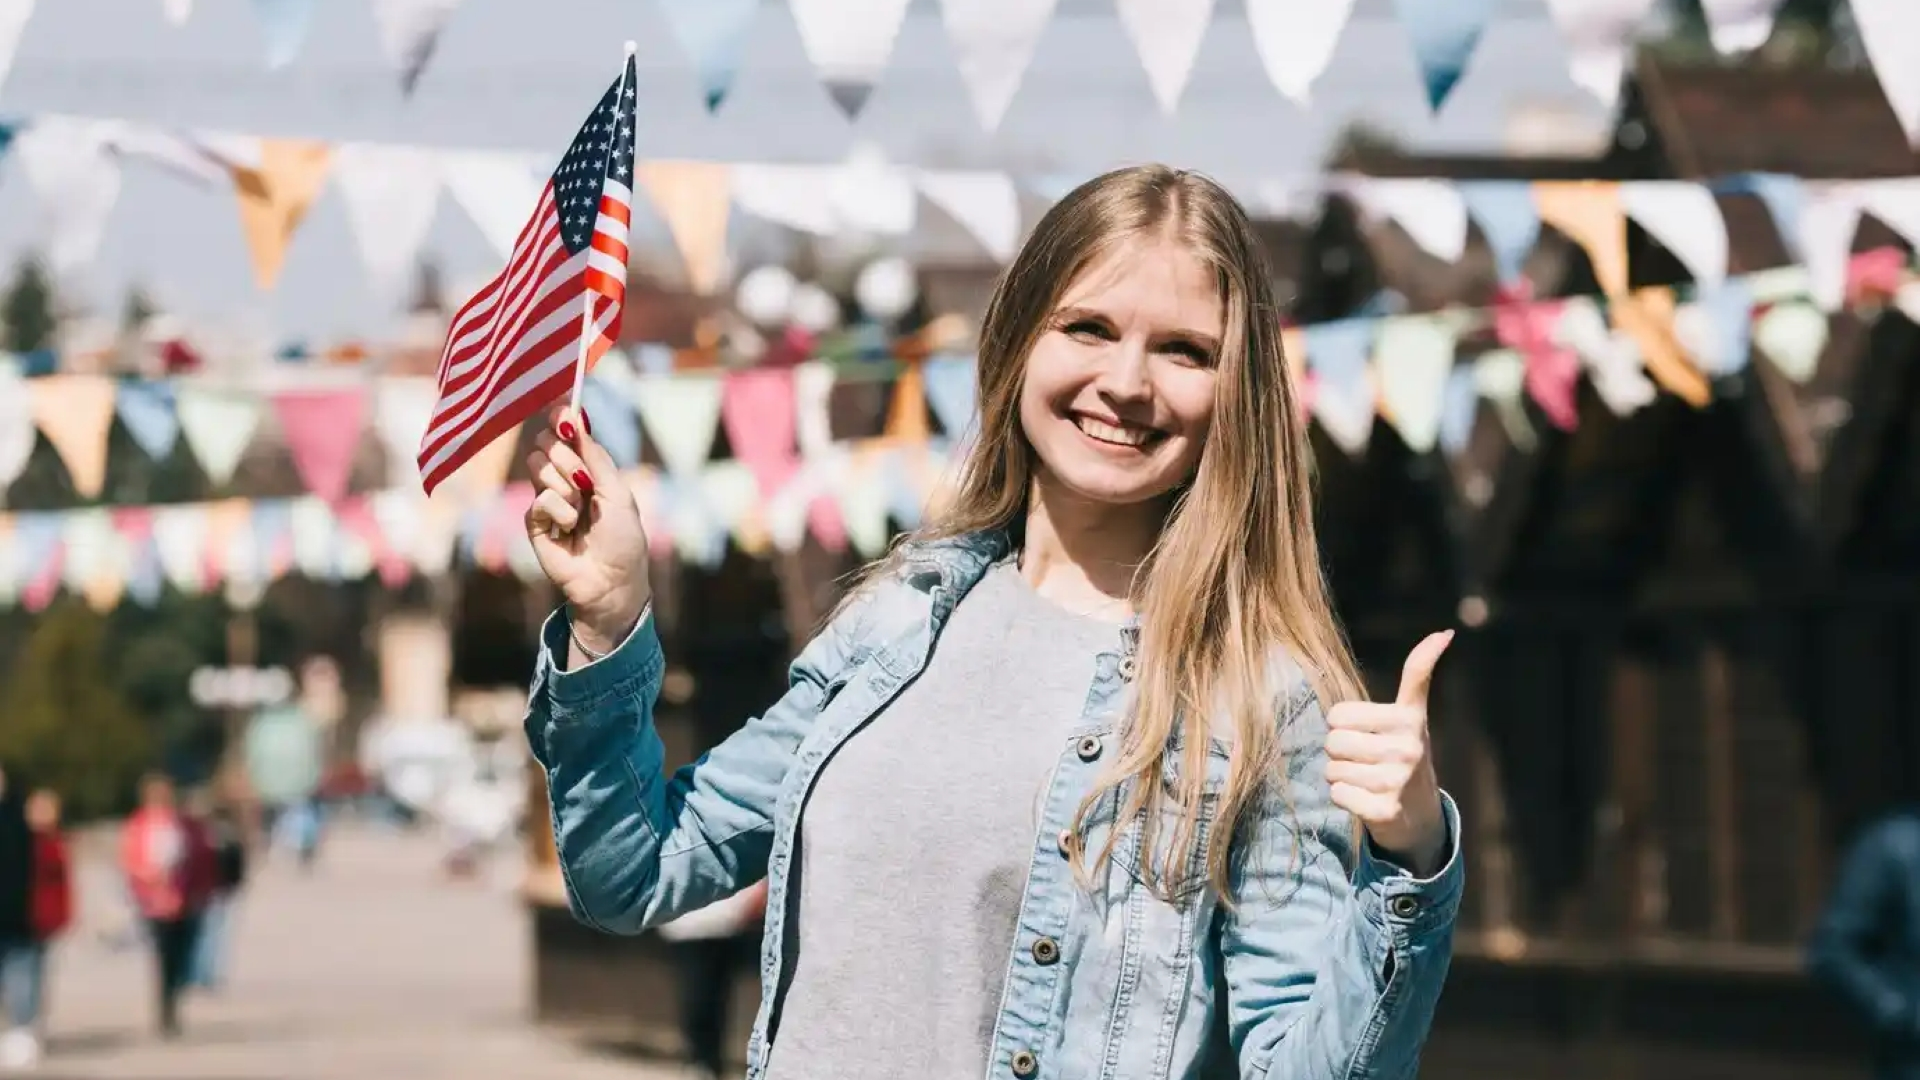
(859, 487)
(314, 530)
(813, 384)
(76, 179)
(1414, 356)
(217, 425)
(408, 31)
(871, 195)
(1890, 29)
(1346, 413)
(849, 42)
(1599, 36)
(401, 411)
(1501, 376)
(1738, 26)
(14, 15)
(1828, 221)
(797, 196)
(180, 539)
(1167, 34)
(390, 192)
(1612, 357)
(1432, 212)
(994, 41)
(93, 548)
(681, 415)
(1295, 40)
(1896, 202)
(497, 190)
(1686, 219)
(1793, 336)
(732, 495)
(787, 510)
(986, 204)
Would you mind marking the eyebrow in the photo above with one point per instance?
(1073, 313)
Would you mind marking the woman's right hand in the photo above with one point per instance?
(586, 532)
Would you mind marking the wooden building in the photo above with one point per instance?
(1680, 686)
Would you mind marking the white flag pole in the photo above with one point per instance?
(586, 299)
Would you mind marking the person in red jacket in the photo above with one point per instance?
(49, 910)
(170, 866)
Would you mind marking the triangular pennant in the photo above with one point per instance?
(41, 555)
(409, 29)
(757, 410)
(180, 538)
(1686, 219)
(272, 537)
(986, 204)
(95, 566)
(390, 192)
(75, 413)
(713, 34)
(681, 414)
(1413, 355)
(1737, 26)
(950, 386)
(1794, 336)
(615, 426)
(1460, 406)
(1611, 357)
(1167, 34)
(849, 42)
(1599, 35)
(1501, 376)
(1295, 41)
(993, 43)
(1506, 215)
(1647, 317)
(1828, 219)
(732, 495)
(146, 409)
(862, 497)
(283, 24)
(1343, 399)
(323, 430)
(1431, 212)
(813, 384)
(1552, 369)
(496, 189)
(76, 180)
(1896, 202)
(274, 199)
(402, 407)
(1590, 214)
(135, 526)
(1784, 200)
(218, 425)
(1719, 330)
(1890, 30)
(313, 526)
(1443, 37)
(692, 197)
(907, 412)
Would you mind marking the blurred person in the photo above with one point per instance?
(1866, 946)
(286, 760)
(1079, 778)
(19, 1045)
(226, 835)
(169, 861)
(52, 912)
(707, 953)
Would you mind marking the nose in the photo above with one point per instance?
(1124, 376)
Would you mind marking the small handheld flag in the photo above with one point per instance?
(518, 344)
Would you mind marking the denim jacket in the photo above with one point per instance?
(1327, 966)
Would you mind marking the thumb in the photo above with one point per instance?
(1416, 677)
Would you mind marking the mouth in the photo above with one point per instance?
(1118, 435)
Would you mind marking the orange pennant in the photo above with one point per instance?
(75, 412)
(1590, 214)
(907, 420)
(694, 199)
(1647, 317)
(274, 199)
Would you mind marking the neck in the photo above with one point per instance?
(1083, 554)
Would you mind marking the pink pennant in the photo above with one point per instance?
(1306, 388)
(43, 586)
(1553, 371)
(1875, 276)
(356, 515)
(756, 409)
(134, 524)
(823, 517)
(323, 431)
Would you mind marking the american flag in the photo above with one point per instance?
(512, 349)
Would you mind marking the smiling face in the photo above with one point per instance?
(1119, 387)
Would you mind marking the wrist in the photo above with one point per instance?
(1417, 845)
(603, 629)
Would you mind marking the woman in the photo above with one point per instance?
(52, 900)
(228, 842)
(1119, 617)
(169, 863)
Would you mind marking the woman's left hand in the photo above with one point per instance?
(1380, 765)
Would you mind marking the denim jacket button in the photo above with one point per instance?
(1046, 951)
(1404, 906)
(1025, 1064)
(1089, 748)
(1127, 667)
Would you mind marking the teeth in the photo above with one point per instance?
(1127, 436)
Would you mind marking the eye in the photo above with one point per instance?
(1088, 330)
(1189, 352)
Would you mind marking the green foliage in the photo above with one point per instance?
(68, 726)
(27, 313)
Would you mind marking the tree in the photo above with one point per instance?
(28, 310)
(66, 726)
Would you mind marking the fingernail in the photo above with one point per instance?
(566, 430)
(582, 481)
(586, 421)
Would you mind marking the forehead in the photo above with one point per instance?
(1153, 278)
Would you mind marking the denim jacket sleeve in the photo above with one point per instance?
(1333, 958)
(1841, 952)
(638, 848)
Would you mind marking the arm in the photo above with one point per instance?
(1839, 953)
(1333, 959)
(638, 849)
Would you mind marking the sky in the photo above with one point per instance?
(516, 74)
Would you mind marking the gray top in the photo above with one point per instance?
(915, 841)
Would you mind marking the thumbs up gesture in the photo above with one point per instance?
(1381, 771)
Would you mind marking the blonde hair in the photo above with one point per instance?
(1235, 574)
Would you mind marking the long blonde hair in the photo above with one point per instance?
(1236, 573)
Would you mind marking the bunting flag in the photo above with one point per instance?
(147, 410)
(713, 34)
(1891, 31)
(1737, 26)
(322, 430)
(993, 43)
(76, 181)
(390, 192)
(283, 26)
(274, 199)
(14, 16)
(985, 204)
(849, 42)
(1296, 40)
(217, 425)
(1443, 37)
(409, 29)
(692, 197)
(1599, 36)
(1167, 34)
(75, 413)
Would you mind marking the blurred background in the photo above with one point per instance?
(1605, 312)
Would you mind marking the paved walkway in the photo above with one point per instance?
(374, 967)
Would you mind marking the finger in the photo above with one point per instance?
(551, 514)
(1361, 803)
(566, 463)
(1366, 776)
(576, 433)
(1416, 678)
(1371, 716)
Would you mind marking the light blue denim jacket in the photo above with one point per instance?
(1327, 967)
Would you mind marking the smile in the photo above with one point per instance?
(1130, 436)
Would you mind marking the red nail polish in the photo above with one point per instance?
(566, 431)
(582, 481)
(586, 421)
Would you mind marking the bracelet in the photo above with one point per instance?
(594, 656)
